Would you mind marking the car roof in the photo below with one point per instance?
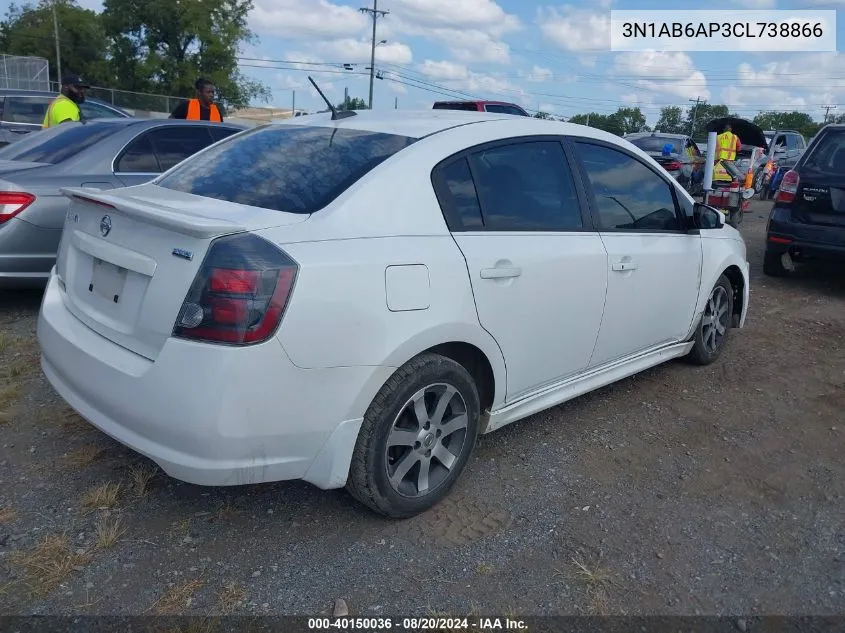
(147, 123)
(655, 134)
(17, 92)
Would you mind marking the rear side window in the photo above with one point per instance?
(828, 154)
(458, 198)
(526, 187)
(25, 110)
(173, 144)
(291, 168)
(138, 158)
(504, 109)
(471, 106)
(58, 143)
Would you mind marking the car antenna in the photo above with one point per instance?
(335, 114)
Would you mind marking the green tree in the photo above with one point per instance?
(164, 46)
(627, 120)
(704, 113)
(543, 115)
(28, 30)
(352, 103)
(671, 121)
(798, 121)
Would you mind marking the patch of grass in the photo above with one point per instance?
(108, 531)
(9, 396)
(71, 421)
(102, 497)
(177, 598)
(7, 514)
(183, 526)
(598, 581)
(46, 566)
(226, 510)
(142, 476)
(484, 569)
(85, 456)
(229, 597)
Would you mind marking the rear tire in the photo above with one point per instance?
(416, 438)
(773, 265)
(711, 335)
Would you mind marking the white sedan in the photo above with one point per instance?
(352, 302)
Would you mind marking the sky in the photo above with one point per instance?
(541, 55)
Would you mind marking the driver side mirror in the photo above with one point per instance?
(706, 217)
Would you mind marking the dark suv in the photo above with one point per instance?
(22, 112)
(807, 220)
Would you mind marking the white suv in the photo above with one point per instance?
(352, 302)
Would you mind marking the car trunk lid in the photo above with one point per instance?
(820, 198)
(128, 258)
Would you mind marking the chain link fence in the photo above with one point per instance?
(24, 73)
(130, 100)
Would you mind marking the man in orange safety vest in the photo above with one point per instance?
(202, 108)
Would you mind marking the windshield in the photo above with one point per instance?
(828, 155)
(656, 143)
(292, 168)
(57, 144)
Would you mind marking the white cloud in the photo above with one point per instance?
(353, 50)
(459, 77)
(575, 29)
(547, 107)
(672, 73)
(443, 70)
(757, 4)
(304, 19)
(483, 15)
(539, 74)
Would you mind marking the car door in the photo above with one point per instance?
(536, 267)
(654, 265)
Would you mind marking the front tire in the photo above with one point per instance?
(715, 325)
(416, 438)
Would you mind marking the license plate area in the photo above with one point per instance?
(107, 280)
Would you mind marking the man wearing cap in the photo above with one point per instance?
(65, 107)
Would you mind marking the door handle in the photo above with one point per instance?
(624, 266)
(500, 273)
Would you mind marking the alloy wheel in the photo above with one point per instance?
(714, 323)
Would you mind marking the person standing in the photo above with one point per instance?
(65, 107)
(202, 107)
(727, 145)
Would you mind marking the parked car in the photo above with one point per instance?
(498, 107)
(783, 145)
(104, 153)
(807, 220)
(684, 162)
(262, 311)
(22, 112)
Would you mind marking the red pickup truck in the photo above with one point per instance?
(500, 107)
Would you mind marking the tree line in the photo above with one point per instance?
(692, 120)
(156, 46)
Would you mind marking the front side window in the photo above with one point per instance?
(628, 195)
(173, 144)
(138, 158)
(526, 187)
(291, 168)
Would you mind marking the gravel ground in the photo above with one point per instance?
(683, 490)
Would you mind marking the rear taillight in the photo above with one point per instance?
(240, 293)
(672, 166)
(788, 187)
(12, 203)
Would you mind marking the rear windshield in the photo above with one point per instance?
(828, 155)
(292, 168)
(466, 105)
(656, 143)
(57, 144)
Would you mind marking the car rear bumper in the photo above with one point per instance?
(209, 414)
(806, 241)
(27, 253)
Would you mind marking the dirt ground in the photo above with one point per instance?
(683, 490)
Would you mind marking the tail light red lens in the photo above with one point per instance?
(672, 166)
(788, 187)
(12, 203)
(240, 293)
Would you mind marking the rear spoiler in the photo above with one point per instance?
(154, 214)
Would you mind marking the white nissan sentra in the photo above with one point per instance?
(353, 301)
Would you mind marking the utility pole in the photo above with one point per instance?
(395, 103)
(58, 49)
(293, 105)
(375, 13)
(697, 100)
(827, 109)
(346, 98)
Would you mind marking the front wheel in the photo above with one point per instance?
(712, 332)
(416, 437)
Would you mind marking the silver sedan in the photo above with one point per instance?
(103, 154)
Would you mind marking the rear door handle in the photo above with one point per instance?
(500, 273)
(624, 266)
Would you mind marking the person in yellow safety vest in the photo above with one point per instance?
(727, 145)
(202, 108)
(65, 107)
